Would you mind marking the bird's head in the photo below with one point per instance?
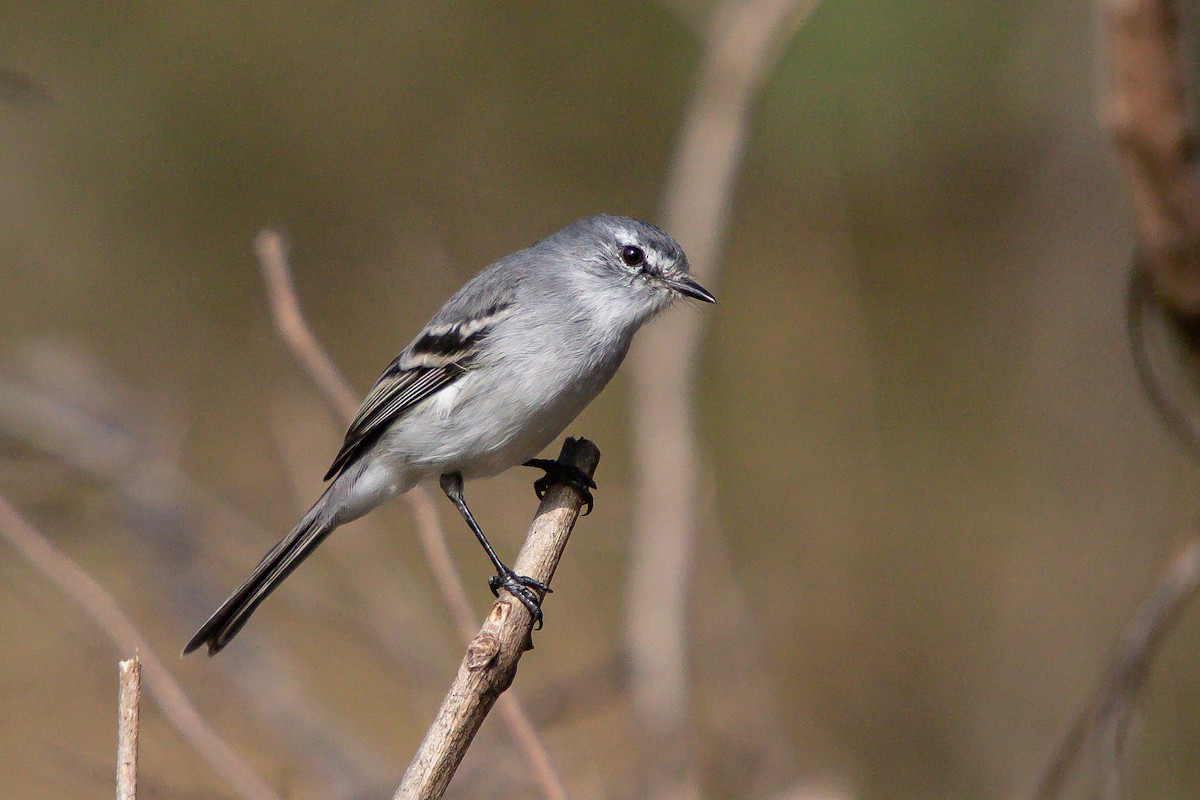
(627, 261)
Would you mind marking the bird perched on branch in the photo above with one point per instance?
(495, 376)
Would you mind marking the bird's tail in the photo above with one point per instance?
(276, 565)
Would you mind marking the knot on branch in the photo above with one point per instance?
(482, 651)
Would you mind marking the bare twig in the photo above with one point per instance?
(491, 660)
(1105, 717)
(129, 698)
(293, 328)
(82, 417)
(742, 42)
(72, 581)
(510, 706)
(285, 311)
(1149, 111)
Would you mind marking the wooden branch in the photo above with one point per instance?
(1105, 717)
(1149, 112)
(491, 660)
(98, 604)
(293, 328)
(129, 698)
(520, 726)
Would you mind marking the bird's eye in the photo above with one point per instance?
(632, 256)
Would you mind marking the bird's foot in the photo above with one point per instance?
(521, 587)
(558, 472)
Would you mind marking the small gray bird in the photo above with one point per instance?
(495, 376)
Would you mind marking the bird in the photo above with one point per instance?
(493, 378)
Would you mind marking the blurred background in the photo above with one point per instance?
(933, 491)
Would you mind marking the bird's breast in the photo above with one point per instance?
(510, 406)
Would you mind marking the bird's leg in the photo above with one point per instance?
(519, 586)
(558, 472)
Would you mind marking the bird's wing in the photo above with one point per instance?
(439, 355)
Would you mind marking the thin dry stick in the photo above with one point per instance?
(293, 328)
(1105, 717)
(510, 706)
(742, 43)
(289, 319)
(121, 448)
(72, 581)
(491, 660)
(1149, 112)
(129, 698)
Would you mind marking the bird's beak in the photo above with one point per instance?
(688, 287)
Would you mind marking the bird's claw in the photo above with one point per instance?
(558, 472)
(521, 587)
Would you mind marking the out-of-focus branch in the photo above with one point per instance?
(1149, 111)
(491, 660)
(743, 39)
(129, 697)
(293, 328)
(289, 320)
(1104, 720)
(83, 418)
(72, 581)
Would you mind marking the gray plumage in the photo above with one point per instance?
(490, 381)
